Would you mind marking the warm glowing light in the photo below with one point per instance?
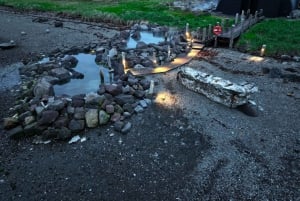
(263, 50)
(256, 59)
(165, 98)
(124, 61)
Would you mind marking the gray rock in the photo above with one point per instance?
(118, 125)
(61, 122)
(136, 35)
(113, 89)
(110, 109)
(126, 128)
(115, 117)
(57, 105)
(70, 109)
(38, 110)
(48, 117)
(139, 94)
(216, 88)
(76, 125)
(103, 117)
(79, 113)
(43, 88)
(69, 62)
(143, 103)
(62, 74)
(52, 80)
(91, 118)
(128, 108)
(139, 109)
(58, 24)
(94, 99)
(9, 45)
(124, 99)
(141, 45)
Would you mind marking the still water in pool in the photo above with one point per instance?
(91, 81)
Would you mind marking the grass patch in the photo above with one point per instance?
(281, 36)
(154, 11)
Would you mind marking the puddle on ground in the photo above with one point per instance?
(91, 81)
(146, 37)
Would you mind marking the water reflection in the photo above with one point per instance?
(146, 37)
(93, 76)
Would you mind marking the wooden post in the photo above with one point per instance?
(226, 25)
(216, 41)
(248, 13)
(209, 33)
(223, 23)
(242, 25)
(231, 36)
(236, 19)
(204, 34)
(243, 15)
(256, 16)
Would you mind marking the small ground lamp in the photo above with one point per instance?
(263, 50)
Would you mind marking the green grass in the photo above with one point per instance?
(154, 11)
(281, 36)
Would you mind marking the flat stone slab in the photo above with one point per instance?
(215, 88)
(7, 45)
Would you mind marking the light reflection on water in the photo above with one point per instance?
(91, 81)
(146, 37)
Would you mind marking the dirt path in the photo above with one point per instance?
(184, 147)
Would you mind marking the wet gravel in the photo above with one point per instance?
(184, 147)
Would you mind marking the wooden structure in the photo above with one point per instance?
(242, 22)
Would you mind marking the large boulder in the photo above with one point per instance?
(91, 118)
(62, 74)
(48, 117)
(215, 88)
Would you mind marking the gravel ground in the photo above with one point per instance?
(183, 147)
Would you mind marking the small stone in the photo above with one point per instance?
(118, 125)
(79, 113)
(126, 128)
(143, 103)
(23, 33)
(138, 109)
(58, 24)
(115, 117)
(110, 109)
(103, 117)
(76, 125)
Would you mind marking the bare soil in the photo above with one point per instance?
(183, 147)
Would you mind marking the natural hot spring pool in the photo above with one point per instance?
(91, 81)
(146, 37)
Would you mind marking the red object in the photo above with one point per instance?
(217, 30)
